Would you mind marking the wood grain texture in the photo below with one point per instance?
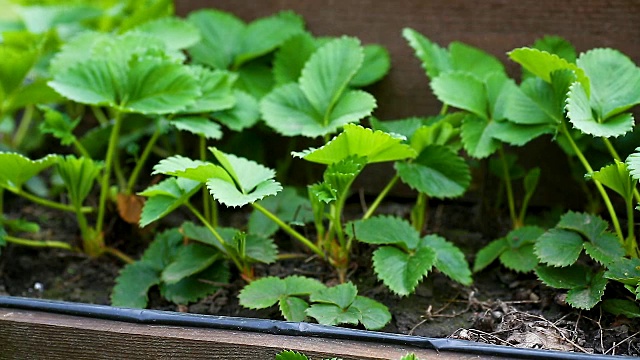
(496, 26)
(37, 335)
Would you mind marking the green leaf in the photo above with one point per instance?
(244, 114)
(18, 168)
(521, 259)
(533, 103)
(435, 59)
(626, 271)
(342, 295)
(289, 60)
(266, 34)
(339, 176)
(633, 164)
(556, 45)
(251, 181)
(165, 197)
(328, 72)
(197, 170)
(582, 117)
(288, 112)
(564, 278)
(473, 61)
(375, 66)
(293, 308)
(490, 253)
(478, 136)
(462, 90)
(148, 86)
(256, 79)
(330, 314)
(287, 205)
(373, 315)
(356, 140)
(401, 271)
(617, 177)
(197, 286)
(78, 175)
(449, 259)
(405, 127)
(58, 125)
(628, 308)
(15, 64)
(267, 291)
(520, 256)
(198, 126)
(216, 89)
(588, 225)
(262, 293)
(605, 249)
(586, 297)
(558, 247)
(162, 250)
(437, 172)
(261, 248)
(190, 260)
(221, 35)
(290, 355)
(517, 134)
(542, 64)
(228, 42)
(133, 284)
(380, 230)
(175, 33)
(615, 81)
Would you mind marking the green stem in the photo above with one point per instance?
(289, 230)
(106, 176)
(509, 189)
(99, 115)
(216, 234)
(133, 178)
(39, 243)
(419, 212)
(601, 190)
(376, 203)
(206, 223)
(616, 156)
(631, 245)
(49, 203)
(81, 149)
(25, 124)
(119, 254)
(523, 208)
(209, 206)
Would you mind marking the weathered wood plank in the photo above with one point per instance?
(497, 26)
(38, 335)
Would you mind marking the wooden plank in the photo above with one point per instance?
(497, 26)
(38, 335)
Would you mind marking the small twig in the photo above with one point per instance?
(620, 343)
(480, 333)
(363, 203)
(556, 328)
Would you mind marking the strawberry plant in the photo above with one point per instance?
(469, 79)
(335, 305)
(594, 99)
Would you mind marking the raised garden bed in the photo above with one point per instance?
(239, 167)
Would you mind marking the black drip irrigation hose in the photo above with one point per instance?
(276, 327)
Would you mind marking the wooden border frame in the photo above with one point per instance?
(42, 335)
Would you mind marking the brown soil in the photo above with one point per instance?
(501, 307)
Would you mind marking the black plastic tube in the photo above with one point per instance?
(276, 327)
